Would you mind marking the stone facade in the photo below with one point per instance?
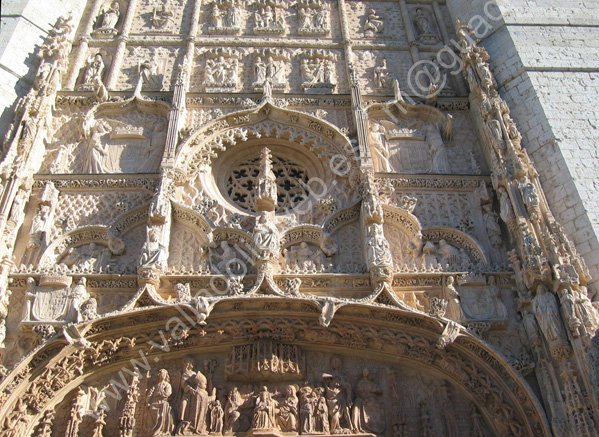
(285, 218)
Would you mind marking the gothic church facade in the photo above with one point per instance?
(276, 217)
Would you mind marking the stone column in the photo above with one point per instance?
(81, 51)
(117, 60)
(405, 16)
(360, 116)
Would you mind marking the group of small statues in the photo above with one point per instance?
(444, 256)
(189, 406)
(221, 72)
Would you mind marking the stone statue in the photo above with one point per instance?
(429, 257)
(288, 411)
(234, 420)
(449, 255)
(78, 296)
(194, 416)
(423, 25)
(266, 236)
(93, 70)
(529, 195)
(506, 211)
(216, 417)
(437, 150)
(110, 16)
(338, 395)
(495, 295)
(377, 246)
(161, 417)
(307, 407)
(321, 412)
(373, 24)
(154, 253)
(491, 220)
(97, 152)
(454, 306)
(264, 411)
(381, 75)
(259, 70)
(151, 162)
(380, 151)
(547, 314)
(183, 292)
(367, 412)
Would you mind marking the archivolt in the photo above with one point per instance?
(43, 378)
(265, 121)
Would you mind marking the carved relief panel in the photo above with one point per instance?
(131, 144)
(318, 72)
(313, 18)
(272, 386)
(270, 17)
(162, 17)
(271, 66)
(153, 66)
(221, 70)
(375, 20)
(225, 17)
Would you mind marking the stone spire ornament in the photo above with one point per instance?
(265, 197)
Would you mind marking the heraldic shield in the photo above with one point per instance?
(50, 304)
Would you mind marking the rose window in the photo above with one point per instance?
(292, 180)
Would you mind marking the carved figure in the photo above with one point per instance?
(266, 236)
(367, 413)
(183, 292)
(422, 24)
(491, 220)
(156, 146)
(321, 412)
(78, 296)
(338, 395)
(93, 131)
(377, 246)
(194, 418)
(217, 19)
(381, 75)
(264, 411)
(288, 410)
(454, 306)
(93, 70)
(585, 310)
(529, 195)
(547, 313)
(373, 24)
(380, 151)
(259, 70)
(506, 211)
(234, 420)
(216, 417)
(495, 294)
(110, 16)
(303, 258)
(163, 17)
(161, 416)
(307, 407)
(437, 151)
(448, 255)
(154, 253)
(429, 259)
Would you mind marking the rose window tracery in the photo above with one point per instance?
(292, 180)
